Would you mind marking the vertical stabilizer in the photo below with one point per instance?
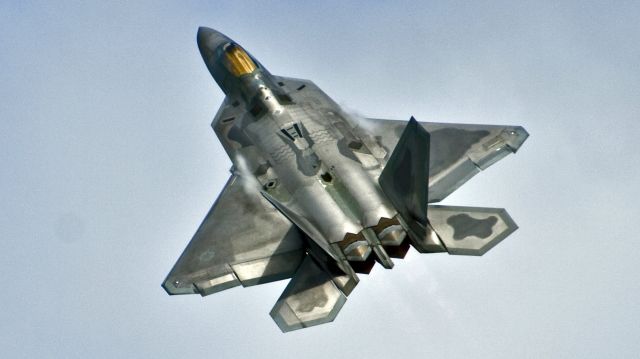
(405, 177)
(405, 181)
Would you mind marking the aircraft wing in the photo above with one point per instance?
(243, 240)
(458, 151)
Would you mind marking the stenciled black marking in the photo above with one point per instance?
(466, 226)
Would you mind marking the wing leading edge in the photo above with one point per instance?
(458, 151)
(243, 240)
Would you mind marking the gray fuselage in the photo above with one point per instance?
(309, 158)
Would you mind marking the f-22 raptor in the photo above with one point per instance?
(318, 195)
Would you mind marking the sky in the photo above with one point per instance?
(109, 165)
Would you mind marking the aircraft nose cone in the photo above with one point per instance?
(209, 40)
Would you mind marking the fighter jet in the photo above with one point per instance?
(319, 195)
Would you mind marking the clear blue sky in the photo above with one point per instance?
(109, 165)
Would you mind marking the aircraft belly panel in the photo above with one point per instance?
(340, 160)
(297, 172)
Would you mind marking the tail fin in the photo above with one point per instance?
(405, 181)
(405, 178)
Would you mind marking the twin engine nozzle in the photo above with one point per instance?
(387, 239)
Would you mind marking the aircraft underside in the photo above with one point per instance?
(320, 196)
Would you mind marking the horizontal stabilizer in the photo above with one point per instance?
(470, 230)
(311, 298)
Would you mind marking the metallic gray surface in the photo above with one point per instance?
(470, 230)
(318, 195)
(404, 179)
(241, 236)
(311, 298)
(458, 151)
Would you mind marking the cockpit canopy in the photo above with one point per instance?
(236, 60)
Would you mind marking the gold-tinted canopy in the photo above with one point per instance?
(238, 61)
